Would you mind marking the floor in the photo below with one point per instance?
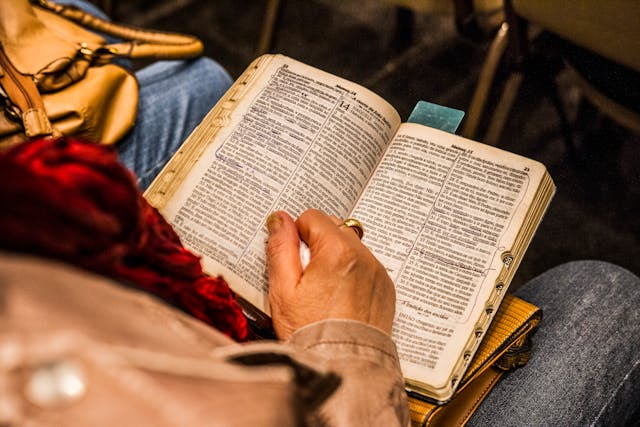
(594, 213)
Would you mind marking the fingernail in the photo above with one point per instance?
(274, 221)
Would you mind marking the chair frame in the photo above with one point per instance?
(514, 40)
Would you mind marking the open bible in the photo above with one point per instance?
(449, 218)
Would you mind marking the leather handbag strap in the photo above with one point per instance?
(21, 99)
(140, 43)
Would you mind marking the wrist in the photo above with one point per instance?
(347, 338)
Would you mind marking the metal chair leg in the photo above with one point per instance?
(622, 115)
(476, 107)
(499, 118)
(268, 26)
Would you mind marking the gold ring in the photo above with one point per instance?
(355, 225)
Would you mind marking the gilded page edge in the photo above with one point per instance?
(164, 186)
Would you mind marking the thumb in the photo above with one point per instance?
(283, 252)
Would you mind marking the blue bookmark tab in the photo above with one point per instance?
(436, 116)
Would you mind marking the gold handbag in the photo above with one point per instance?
(58, 77)
(506, 345)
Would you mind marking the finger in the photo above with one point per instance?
(283, 252)
(314, 225)
(335, 219)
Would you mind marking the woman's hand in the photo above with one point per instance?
(343, 280)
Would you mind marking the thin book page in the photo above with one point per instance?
(439, 212)
(299, 139)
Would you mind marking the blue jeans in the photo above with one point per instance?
(585, 364)
(174, 97)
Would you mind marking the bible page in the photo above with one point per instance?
(439, 212)
(298, 138)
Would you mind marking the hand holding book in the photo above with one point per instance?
(343, 280)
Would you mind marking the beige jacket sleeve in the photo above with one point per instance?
(372, 389)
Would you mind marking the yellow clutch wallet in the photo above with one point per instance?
(506, 345)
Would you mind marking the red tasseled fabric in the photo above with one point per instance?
(74, 201)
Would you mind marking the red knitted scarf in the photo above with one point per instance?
(74, 201)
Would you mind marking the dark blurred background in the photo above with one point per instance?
(408, 55)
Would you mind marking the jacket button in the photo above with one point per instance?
(56, 383)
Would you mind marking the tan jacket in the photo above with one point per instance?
(80, 350)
